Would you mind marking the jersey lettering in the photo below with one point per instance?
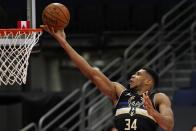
(133, 125)
(127, 124)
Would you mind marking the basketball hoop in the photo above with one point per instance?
(15, 48)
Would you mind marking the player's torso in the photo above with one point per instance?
(130, 115)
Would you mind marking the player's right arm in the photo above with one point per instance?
(109, 88)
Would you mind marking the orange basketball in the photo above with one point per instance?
(56, 15)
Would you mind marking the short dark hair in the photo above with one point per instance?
(153, 74)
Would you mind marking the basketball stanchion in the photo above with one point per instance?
(15, 48)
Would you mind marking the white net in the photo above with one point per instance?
(15, 49)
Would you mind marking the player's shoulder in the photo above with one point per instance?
(161, 97)
(118, 87)
(117, 83)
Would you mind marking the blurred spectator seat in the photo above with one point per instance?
(34, 104)
(143, 14)
(166, 5)
(117, 15)
(15, 12)
(72, 5)
(193, 80)
(90, 16)
(186, 96)
(2, 17)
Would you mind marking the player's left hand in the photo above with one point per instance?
(148, 104)
(58, 33)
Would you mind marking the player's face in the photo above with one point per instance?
(138, 79)
(194, 128)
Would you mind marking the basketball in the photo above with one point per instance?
(56, 15)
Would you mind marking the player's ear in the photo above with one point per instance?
(148, 82)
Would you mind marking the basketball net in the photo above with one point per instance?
(15, 48)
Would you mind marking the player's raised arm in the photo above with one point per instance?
(98, 78)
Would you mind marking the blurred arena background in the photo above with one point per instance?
(118, 37)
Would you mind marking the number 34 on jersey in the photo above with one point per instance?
(130, 125)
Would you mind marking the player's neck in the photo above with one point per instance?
(141, 90)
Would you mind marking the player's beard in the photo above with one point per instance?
(135, 88)
(132, 85)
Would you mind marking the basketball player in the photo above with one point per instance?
(137, 108)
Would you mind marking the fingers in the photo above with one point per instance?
(146, 97)
(147, 102)
(47, 29)
(42, 26)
